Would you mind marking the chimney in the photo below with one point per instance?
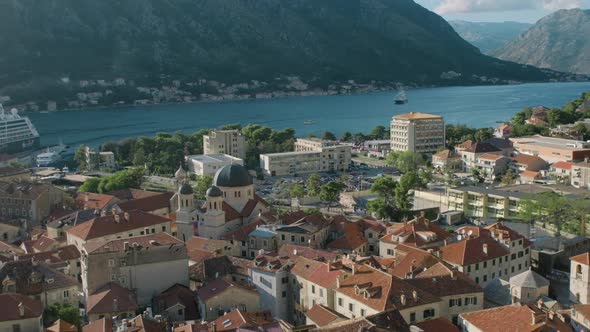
(103, 213)
(551, 314)
(445, 242)
(21, 309)
(485, 248)
(117, 218)
(415, 295)
(126, 216)
(115, 305)
(423, 214)
(402, 299)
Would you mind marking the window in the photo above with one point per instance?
(180, 313)
(284, 294)
(302, 239)
(513, 269)
(350, 307)
(313, 289)
(412, 317)
(370, 235)
(485, 264)
(111, 262)
(477, 280)
(340, 302)
(163, 228)
(284, 280)
(292, 238)
(513, 257)
(362, 312)
(476, 266)
(390, 252)
(321, 292)
(66, 294)
(16, 328)
(468, 268)
(485, 278)
(428, 313)
(282, 237)
(494, 262)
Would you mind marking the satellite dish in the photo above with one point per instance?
(470, 232)
(459, 237)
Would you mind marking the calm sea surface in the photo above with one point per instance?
(480, 106)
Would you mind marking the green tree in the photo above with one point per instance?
(328, 135)
(403, 199)
(406, 161)
(330, 192)
(139, 157)
(80, 158)
(90, 185)
(346, 137)
(65, 312)
(379, 132)
(297, 191)
(509, 177)
(425, 176)
(314, 183)
(385, 205)
(203, 183)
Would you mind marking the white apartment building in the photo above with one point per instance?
(310, 156)
(209, 164)
(230, 142)
(417, 132)
(580, 279)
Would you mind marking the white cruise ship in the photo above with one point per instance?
(17, 133)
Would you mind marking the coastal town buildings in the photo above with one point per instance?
(417, 132)
(580, 177)
(552, 149)
(229, 142)
(209, 164)
(310, 156)
(30, 201)
(580, 279)
(20, 313)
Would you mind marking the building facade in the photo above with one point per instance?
(417, 132)
(230, 142)
(209, 164)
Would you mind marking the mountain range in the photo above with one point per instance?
(237, 40)
(560, 41)
(489, 36)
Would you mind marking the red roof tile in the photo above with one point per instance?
(441, 324)
(9, 307)
(582, 258)
(323, 316)
(108, 225)
(111, 298)
(147, 204)
(562, 165)
(471, 251)
(100, 325)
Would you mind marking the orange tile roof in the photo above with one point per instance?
(352, 239)
(95, 201)
(217, 287)
(582, 309)
(9, 307)
(529, 174)
(409, 259)
(525, 159)
(417, 116)
(323, 316)
(236, 319)
(444, 154)
(316, 272)
(562, 165)
(471, 251)
(107, 225)
(381, 291)
(507, 233)
(491, 156)
(409, 233)
(441, 324)
(440, 280)
(102, 301)
(100, 325)
(582, 258)
(62, 326)
(514, 318)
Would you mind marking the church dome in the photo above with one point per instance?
(180, 173)
(232, 176)
(214, 191)
(186, 189)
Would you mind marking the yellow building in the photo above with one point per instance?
(417, 132)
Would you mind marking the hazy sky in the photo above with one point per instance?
(499, 10)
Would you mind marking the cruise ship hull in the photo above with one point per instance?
(20, 146)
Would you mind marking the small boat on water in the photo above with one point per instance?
(401, 98)
(308, 122)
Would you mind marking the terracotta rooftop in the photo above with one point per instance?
(522, 318)
(175, 295)
(419, 232)
(108, 225)
(529, 174)
(144, 324)
(100, 325)
(317, 272)
(9, 307)
(582, 258)
(441, 324)
(238, 320)
(111, 298)
(143, 241)
(62, 326)
(381, 291)
(241, 234)
(23, 190)
(95, 201)
(473, 250)
(129, 194)
(352, 238)
(33, 278)
(481, 147)
(491, 156)
(323, 316)
(528, 161)
(441, 281)
(417, 116)
(216, 287)
(499, 229)
(443, 154)
(409, 259)
(562, 165)
(293, 251)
